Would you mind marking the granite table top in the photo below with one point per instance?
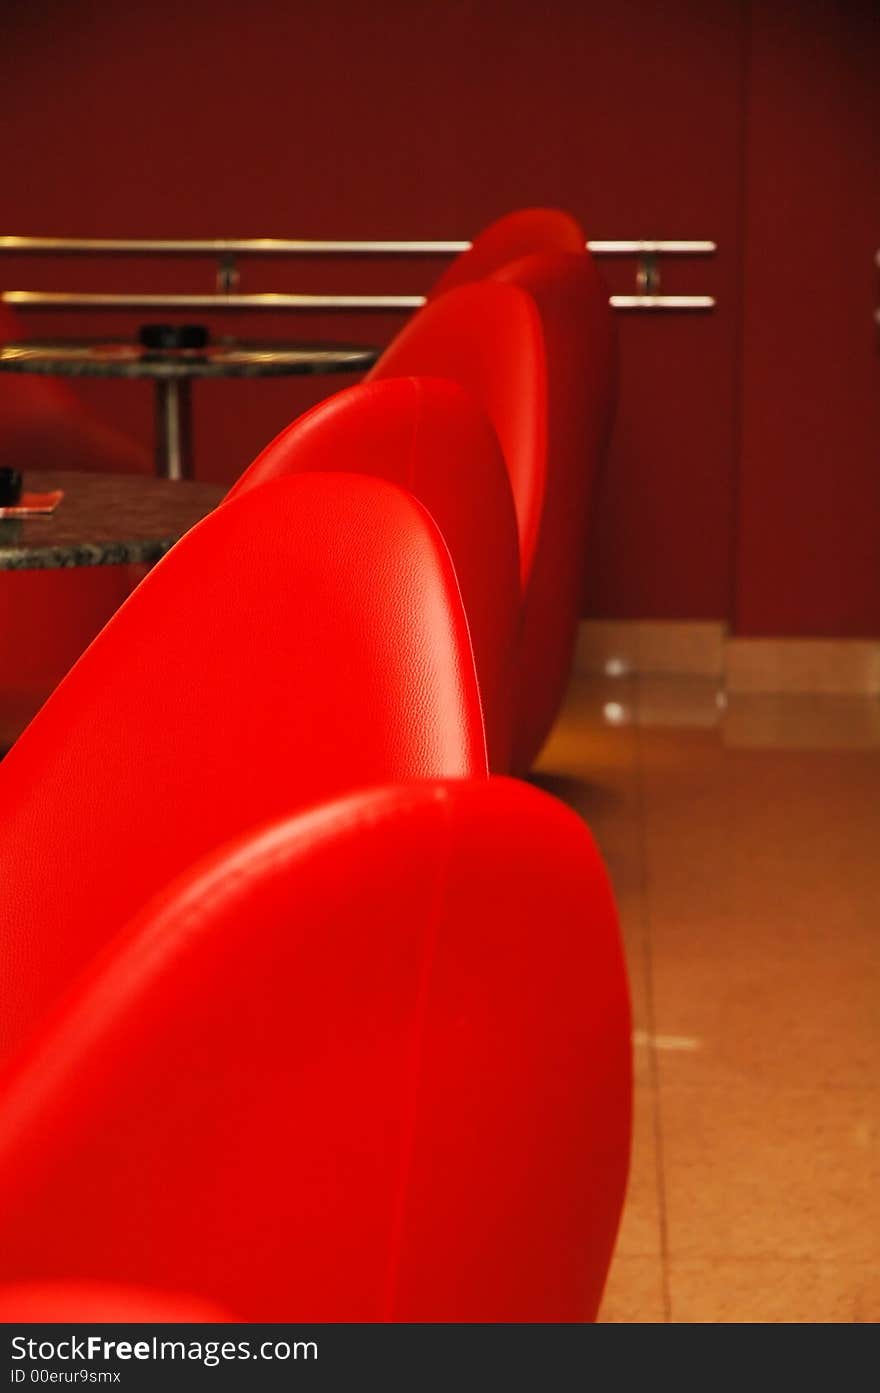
(223, 358)
(103, 520)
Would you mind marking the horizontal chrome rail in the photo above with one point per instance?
(266, 300)
(281, 246)
(228, 296)
(648, 248)
(76, 300)
(662, 302)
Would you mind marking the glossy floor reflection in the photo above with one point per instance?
(742, 834)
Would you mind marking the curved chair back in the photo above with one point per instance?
(429, 436)
(371, 1063)
(581, 354)
(518, 234)
(63, 1302)
(487, 337)
(306, 639)
(543, 364)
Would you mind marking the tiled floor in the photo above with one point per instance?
(742, 834)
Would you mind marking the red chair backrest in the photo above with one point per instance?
(515, 235)
(544, 367)
(543, 250)
(306, 639)
(371, 1063)
(429, 436)
(487, 337)
(577, 322)
(64, 1302)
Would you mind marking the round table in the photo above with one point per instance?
(172, 370)
(102, 520)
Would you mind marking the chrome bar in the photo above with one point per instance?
(83, 300)
(652, 248)
(298, 247)
(49, 299)
(662, 302)
(226, 246)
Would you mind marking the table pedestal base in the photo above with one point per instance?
(173, 428)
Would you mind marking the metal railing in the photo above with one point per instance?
(227, 250)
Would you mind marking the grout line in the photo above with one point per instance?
(641, 810)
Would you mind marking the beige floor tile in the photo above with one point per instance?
(770, 1291)
(695, 703)
(742, 839)
(813, 1023)
(634, 1293)
(640, 1230)
(638, 971)
(611, 816)
(588, 726)
(684, 650)
(593, 767)
(643, 1061)
(650, 646)
(773, 854)
(802, 665)
(632, 913)
(752, 1172)
(803, 808)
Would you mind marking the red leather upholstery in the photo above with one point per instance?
(48, 617)
(429, 436)
(303, 640)
(487, 337)
(369, 1063)
(517, 234)
(543, 251)
(581, 356)
(76, 1302)
(543, 365)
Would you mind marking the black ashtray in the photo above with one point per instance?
(173, 335)
(10, 487)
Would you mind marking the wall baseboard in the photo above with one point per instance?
(617, 647)
(704, 649)
(837, 665)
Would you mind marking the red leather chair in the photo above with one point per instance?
(369, 1063)
(518, 234)
(77, 1302)
(303, 640)
(542, 252)
(429, 436)
(48, 617)
(487, 337)
(581, 355)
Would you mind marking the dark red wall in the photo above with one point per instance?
(407, 120)
(808, 534)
